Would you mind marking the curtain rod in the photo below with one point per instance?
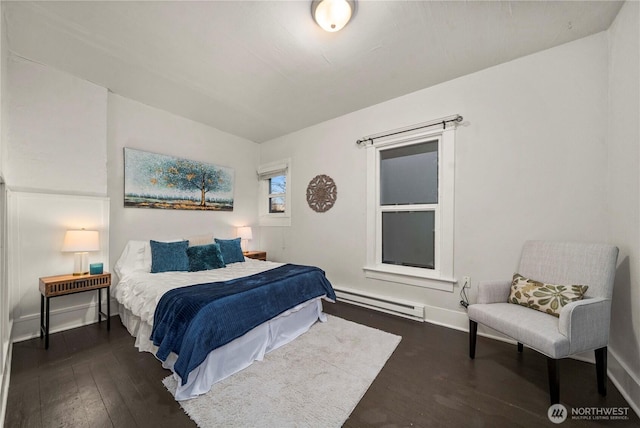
(442, 122)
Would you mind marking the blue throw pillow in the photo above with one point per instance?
(169, 256)
(205, 257)
(231, 250)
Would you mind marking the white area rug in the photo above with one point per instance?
(315, 381)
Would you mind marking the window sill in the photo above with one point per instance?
(410, 276)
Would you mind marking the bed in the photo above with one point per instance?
(141, 293)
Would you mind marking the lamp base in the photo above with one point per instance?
(81, 264)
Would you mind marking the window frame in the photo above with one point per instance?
(441, 277)
(265, 172)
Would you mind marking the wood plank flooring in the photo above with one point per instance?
(93, 378)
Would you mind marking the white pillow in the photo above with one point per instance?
(135, 257)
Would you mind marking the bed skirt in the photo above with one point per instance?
(236, 355)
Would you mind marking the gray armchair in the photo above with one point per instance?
(583, 325)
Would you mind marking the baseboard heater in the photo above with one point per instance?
(403, 308)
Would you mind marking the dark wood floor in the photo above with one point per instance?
(93, 378)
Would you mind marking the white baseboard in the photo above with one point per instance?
(623, 378)
(446, 318)
(28, 326)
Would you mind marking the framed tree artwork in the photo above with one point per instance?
(159, 181)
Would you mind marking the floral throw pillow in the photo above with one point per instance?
(548, 298)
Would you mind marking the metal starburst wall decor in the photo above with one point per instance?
(322, 193)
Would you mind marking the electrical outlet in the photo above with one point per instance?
(466, 281)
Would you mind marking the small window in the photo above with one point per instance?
(274, 193)
(277, 194)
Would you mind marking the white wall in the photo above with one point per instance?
(57, 140)
(56, 134)
(6, 318)
(56, 170)
(38, 222)
(531, 163)
(624, 197)
(138, 126)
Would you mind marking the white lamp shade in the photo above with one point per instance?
(245, 232)
(81, 241)
(332, 15)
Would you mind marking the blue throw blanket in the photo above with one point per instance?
(192, 321)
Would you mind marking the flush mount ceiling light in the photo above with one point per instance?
(332, 15)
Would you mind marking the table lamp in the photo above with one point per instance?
(81, 242)
(244, 233)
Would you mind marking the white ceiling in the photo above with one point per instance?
(262, 69)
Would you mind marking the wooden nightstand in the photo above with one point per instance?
(61, 285)
(258, 255)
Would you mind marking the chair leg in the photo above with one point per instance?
(601, 370)
(554, 380)
(473, 333)
(520, 347)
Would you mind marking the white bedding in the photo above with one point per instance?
(139, 292)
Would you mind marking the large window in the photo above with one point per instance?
(274, 194)
(408, 204)
(410, 214)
